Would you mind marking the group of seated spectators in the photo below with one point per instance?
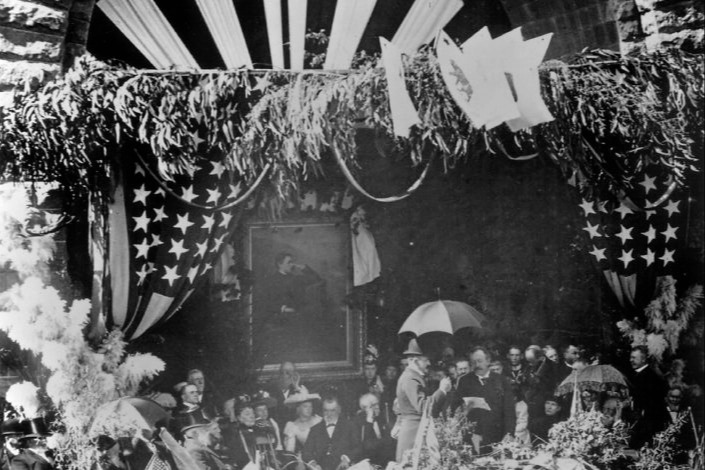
(283, 423)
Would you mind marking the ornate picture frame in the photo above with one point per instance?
(297, 309)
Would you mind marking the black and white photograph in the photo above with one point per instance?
(352, 234)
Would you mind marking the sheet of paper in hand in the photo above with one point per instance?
(476, 402)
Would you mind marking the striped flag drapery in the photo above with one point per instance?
(637, 239)
(163, 238)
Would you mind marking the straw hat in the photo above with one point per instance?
(301, 397)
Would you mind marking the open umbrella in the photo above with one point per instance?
(446, 316)
(597, 378)
(127, 417)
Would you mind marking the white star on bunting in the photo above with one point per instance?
(177, 247)
(649, 257)
(218, 169)
(592, 230)
(648, 183)
(192, 273)
(202, 247)
(170, 275)
(598, 254)
(208, 222)
(625, 234)
(142, 249)
(672, 208)
(141, 195)
(670, 232)
(159, 214)
(188, 194)
(217, 242)
(183, 224)
(226, 220)
(156, 240)
(234, 191)
(141, 222)
(650, 234)
(213, 195)
(587, 206)
(142, 274)
(626, 258)
(623, 209)
(667, 256)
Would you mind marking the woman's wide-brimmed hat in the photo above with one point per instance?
(262, 398)
(301, 397)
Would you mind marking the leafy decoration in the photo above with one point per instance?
(614, 116)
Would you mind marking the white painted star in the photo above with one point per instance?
(649, 213)
(141, 195)
(160, 192)
(139, 170)
(152, 267)
(587, 207)
(202, 247)
(592, 230)
(206, 268)
(156, 240)
(670, 232)
(649, 257)
(234, 191)
(218, 169)
(208, 222)
(226, 220)
(192, 273)
(623, 210)
(650, 234)
(625, 234)
(142, 274)
(183, 224)
(190, 170)
(602, 206)
(188, 194)
(598, 254)
(170, 275)
(217, 242)
(672, 208)
(177, 247)
(142, 249)
(159, 214)
(667, 256)
(648, 183)
(141, 222)
(626, 258)
(213, 195)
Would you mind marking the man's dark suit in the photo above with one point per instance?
(497, 391)
(563, 370)
(28, 460)
(379, 450)
(648, 391)
(326, 451)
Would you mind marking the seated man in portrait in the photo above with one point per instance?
(294, 288)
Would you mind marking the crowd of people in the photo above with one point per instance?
(284, 423)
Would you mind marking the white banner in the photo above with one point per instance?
(404, 114)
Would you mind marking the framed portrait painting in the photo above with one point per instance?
(302, 276)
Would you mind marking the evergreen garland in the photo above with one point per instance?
(614, 116)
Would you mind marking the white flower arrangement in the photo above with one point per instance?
(24, 399)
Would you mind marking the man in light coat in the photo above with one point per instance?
(412, 397)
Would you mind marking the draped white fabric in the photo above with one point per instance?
(297, 33)
(349, 23)
(273, 15)
(224, 26)
(145, 26)
(422, 23)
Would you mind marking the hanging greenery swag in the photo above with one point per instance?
(614, 116)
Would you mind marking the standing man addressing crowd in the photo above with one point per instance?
(489, 399)
(412, 398)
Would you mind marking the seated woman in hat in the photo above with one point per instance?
(262, 403)
(296, 432)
